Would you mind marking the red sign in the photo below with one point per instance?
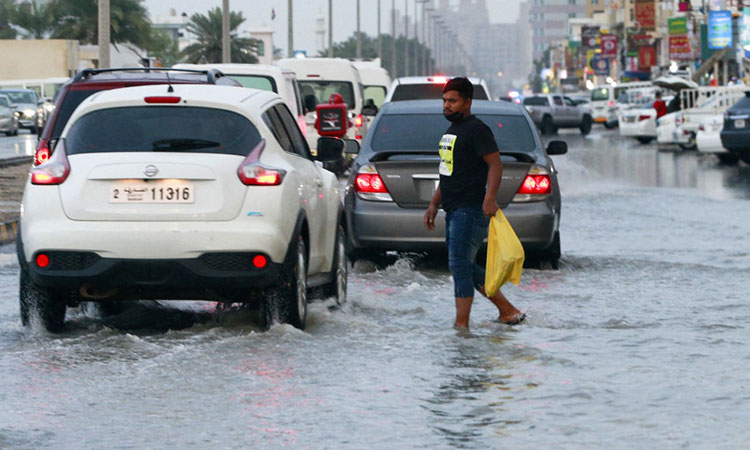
(683, 5)
(609, 45)
(645, 14)
(646, 57)
(679, 47)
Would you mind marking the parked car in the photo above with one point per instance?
(28, 108)
(181, 192)
(8, 117)
(268, 78)
(637, 116)
(604, 105)
(396, 173)
(708, 139)
(423, 88)
(552, 111)
(735, 136)
(90, 81)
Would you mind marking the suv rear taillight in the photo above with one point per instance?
(643, 117)
(252, 173)
(55, 170)
(370, 186)
(358, 122)
(536, 186)
(42, 152)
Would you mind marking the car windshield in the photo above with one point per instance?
(322, 90)
(256, 82)
(536, 101)
(428, 91)
(180, 129)
(599, 94)
(20, 97)
(397, 132)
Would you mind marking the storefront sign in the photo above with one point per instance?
(678, 25)
(601, 66)
(719, 29)
(679, 47)
(645, 14)
(745, 27)
(683, 5)
(646, 57)
(588, 37)
(609, 45)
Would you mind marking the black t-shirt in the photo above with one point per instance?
(463, 172)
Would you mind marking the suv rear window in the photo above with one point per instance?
(397, 132)
(536, 101)
(599, 94)
(429, 91)
(161, 128)
(322, 90)
(256, 82)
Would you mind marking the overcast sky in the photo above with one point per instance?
(258, 13)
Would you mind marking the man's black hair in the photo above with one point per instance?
(462, 85)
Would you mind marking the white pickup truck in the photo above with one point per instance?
(552, 111)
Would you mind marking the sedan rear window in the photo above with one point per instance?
(162, 129)
(399, 132)
(429, 91)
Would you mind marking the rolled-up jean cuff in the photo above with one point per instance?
(466, 229)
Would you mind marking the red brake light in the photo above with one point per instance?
(55, 170)
(643, 117)
(42, 154)
(260, 261)
(536, 184)
(252, 173)
(162, 99)
(370, 183)
(358, 120)
(438, 80)
(611, 103)
(42, 260)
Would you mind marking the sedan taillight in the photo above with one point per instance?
(643, 117)
(370, 186)
(537, 185)
(55, 170)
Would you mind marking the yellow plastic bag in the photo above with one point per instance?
(504, 255)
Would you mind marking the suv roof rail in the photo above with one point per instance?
(211, 74)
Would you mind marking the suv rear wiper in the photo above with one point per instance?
(166, 145)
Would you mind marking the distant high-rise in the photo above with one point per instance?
(549, 22)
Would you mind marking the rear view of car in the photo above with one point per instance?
(396, 174)
(179, 192)
(735, 136)
(425, 88)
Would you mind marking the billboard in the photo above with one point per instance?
(745, 27)
(719, 29)
(645, 14)
(677, 25)
(609, 45)
(679, 47)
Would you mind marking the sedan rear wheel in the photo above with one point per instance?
(338, 287)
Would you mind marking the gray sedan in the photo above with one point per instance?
(8, 119)
(396, 172)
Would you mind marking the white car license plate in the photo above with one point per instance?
(739, 123)
(158, 191)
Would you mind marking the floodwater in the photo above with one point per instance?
(638, 341)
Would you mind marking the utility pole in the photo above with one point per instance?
(104, 37)
(380, 38)
(290, 30)
(393, 39)
(359, 35)
(406, 38)
(416, 41)
(226, 44)
(330, 28)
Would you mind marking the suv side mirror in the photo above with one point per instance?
(330, 149)
(557, 148)
(370, 109)
(351, 147)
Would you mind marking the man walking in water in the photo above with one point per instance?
(470, 174)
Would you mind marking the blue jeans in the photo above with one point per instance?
(465, 230)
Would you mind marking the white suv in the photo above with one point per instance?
(181, 192)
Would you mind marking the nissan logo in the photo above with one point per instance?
(150, 170)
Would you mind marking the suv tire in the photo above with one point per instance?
(39, 304)
(340, 268)
(547, 126)
(727, 158)
(690, 145)
(585, 125)
(287, 301)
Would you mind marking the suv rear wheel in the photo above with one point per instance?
(287, 301)
(337, 287)
(39, 304)
(547, 126)
(585, 125)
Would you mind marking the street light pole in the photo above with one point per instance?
(406, 38)
(290, 31)
(359, 35)
(380, 38)
(104, 37)
(330, 28)
(226, 51)
(393, 39)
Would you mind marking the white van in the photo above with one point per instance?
(604, 97)
(267, 78)
(319, 78)
(375, 80)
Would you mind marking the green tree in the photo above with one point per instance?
(207, 29)
(6, 10)
(348, 49)
(36, 19)
(78, 19)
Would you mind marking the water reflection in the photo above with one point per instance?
(627, 160)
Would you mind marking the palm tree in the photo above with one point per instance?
(36, 19)
(207, 30)
(79, 20)
(6, 10)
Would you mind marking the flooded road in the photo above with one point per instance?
(638, 341)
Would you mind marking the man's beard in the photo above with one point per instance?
(454, 117)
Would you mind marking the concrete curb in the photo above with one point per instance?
(8, 231)
(15, 160)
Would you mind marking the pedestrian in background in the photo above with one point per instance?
(470, 175)
(660, 105)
